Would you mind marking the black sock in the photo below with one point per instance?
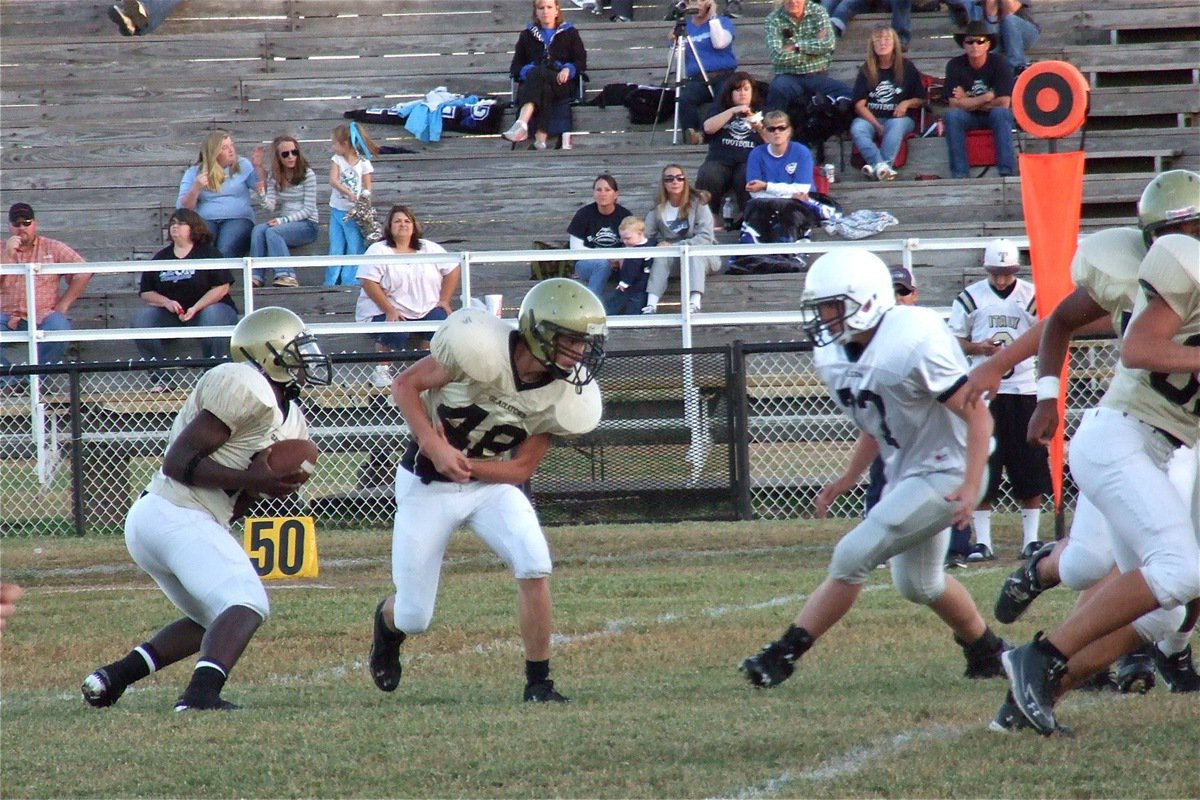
(134, 666)
(207, 679)
(1043, 644)
(537, 671)
(986, 645)
(798, 640)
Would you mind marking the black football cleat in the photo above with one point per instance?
(1010, 719)
(1102, 681)
(1028, 550)
(1135, 671)
(1177, 670)
(543, 692)
(983, 661)
(771, 666)
(1021, 587)
(99, 690)
(188, 702)
(1034, 676)
(384, 658)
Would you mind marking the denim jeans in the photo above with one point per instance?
(157, 11)
(694, 94)
(345, 239)
(862, 133)
(999, 120)
(787, 87)
(48, 352)
(275, 241)
(209, 316)
(400, 341)
(842, 11)
(1017, 34)
(629, 301)
(595, 272)
(231, 236)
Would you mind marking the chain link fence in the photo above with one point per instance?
(713, 433)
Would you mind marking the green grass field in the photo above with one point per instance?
(651, 622)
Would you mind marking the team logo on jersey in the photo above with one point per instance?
(791, 168)
(606, 237)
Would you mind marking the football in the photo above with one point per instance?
(293, 455)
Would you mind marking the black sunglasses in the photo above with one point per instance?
(976, 41)
(902, 291)
(777, 128)
(20, 223)
(288, 153)
(673, 178)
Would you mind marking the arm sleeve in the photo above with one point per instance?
(958, 323)
(720, 32)
(185, 184)
(940, 365)
(309, 208)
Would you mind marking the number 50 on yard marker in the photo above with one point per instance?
(282, 547)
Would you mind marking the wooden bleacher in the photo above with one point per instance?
(97, 129)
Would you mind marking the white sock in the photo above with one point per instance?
(652, 300)
(695, 298)
(1029, 524)
(1174, 643)
(982, 522)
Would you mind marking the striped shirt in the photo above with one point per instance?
(813, 35)
(46, 293)
(293, 203)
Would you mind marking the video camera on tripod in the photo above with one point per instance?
(680, 9)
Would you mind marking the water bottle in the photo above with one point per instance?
(727, 212)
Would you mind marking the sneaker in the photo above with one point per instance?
(384, 657)
(1034, 677)
(650, 309)
(1028, 550)
(1021, 587)
(381, 376)
(1177, 670)
(694, 306)
(1102, 681)
(99, 690)
(186, 703)
(543, 692)
(884, 172)
(982, 662)
(256, 282)
(519, 132)
(693, 136)
(620, 18)
(1009, 718)
(868, 170)
(129, 16)
(955, 561)
(539, 145)
(773, 665)
(1135, 671)
(979, 553)
(286, 281)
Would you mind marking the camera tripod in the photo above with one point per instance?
(676, 61)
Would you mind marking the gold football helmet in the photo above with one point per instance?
(1170, 199)
(563, 307)
(275, 340)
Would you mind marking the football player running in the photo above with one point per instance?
(178, 530)
(1119, 458)
(482, 408)
(899, 374)
(1105, 275)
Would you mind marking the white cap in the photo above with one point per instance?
(1001, 257)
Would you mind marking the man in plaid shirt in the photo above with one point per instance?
(24, 246)
(800, 40)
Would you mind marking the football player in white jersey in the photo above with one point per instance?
(1119, 459)
(987, 316)
(178, 530)
(482, 408)
(899, 375)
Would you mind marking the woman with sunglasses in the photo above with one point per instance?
(681, 216)
(291, 195)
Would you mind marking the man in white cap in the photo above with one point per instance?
(987, 316)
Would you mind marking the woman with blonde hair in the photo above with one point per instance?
(217, 187)
(547, 59)
(681, 216)
(887, 92)
(290, 196)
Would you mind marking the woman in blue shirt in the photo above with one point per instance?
(217, 187)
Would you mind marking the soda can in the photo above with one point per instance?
(830, 172)
(567, 144)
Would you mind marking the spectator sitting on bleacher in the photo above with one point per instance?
(404, 291)
(888, 88)
(780, 168)
(733, 130)
(217, 187)
(842, 11)
(291, 197)
(1011, 20)
(549, 56)
(712, 37)
(25, 246)
(800, 42)
(979, 90)
(681, 216)
(140, 17)
(597, 226)
(629, 295)
(181, 296)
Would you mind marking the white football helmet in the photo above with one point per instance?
(1000, 257)
(275, 340)
(852, 283)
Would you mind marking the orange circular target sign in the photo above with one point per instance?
(1050, 99)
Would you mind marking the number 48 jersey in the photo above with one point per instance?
(896, 388)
